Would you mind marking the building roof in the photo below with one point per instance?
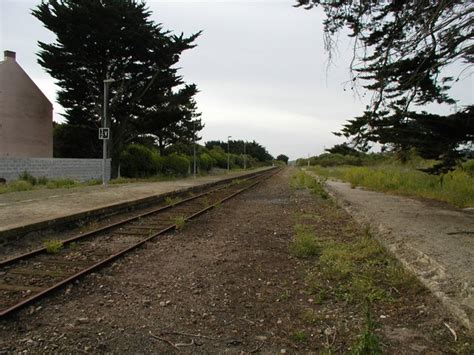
(15, 81)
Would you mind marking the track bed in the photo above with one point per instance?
(27, 277)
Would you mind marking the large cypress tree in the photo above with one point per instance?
(401, 52)
(99, 39)
(173, 119)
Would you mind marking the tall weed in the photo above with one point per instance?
(304, 243)
(455, 187)
(368, 343)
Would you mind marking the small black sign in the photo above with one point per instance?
(104, 133)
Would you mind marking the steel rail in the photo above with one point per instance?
(10, 310)
(83, 236)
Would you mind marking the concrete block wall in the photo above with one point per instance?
(53, 168)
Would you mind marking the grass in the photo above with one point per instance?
(285, 295)
(237, 182)
(304, 243)
(347, 265)
(300, 336)
(180, 222)
(172, 201)
(17, 185)
(348, 274)
(53, 246)
(27, 182)
(206, 202)
(301, 180)
(367, 343)
(62, 183)
(455, 187)
(312, 317)
(358, 270)
(126, 180)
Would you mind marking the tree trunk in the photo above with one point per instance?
(161, 146)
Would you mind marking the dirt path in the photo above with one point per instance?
(227, 283)
(436, 243)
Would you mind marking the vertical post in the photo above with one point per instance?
(194, 149)
(107, 82)
(228, 154)
(308, 160)
(245, 158)
(104, 141)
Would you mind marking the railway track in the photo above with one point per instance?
(26, 278)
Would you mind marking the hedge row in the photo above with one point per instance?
(138, 161)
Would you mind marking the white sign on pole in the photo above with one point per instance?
(104, 133)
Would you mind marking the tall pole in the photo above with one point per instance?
(107, 82)
(245, 158)
(228, 154)
(104, 141)
(194, 149)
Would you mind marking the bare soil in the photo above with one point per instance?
(226, 283)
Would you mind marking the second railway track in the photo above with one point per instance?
(28, 277)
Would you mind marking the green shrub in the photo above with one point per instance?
(64, 183)
(239, 160)
(158, 162)
(206, 162)
(138, 161)
(468, 167)
(175, 164)
(170, 201)
(93, 182)
(43, 180)
(26, 176)
(180, 222)
(304, 244)
(20, 185)
(300, 336)
(251, 161)
(53, 246)
(122, 180)
(218, 154)
(336, 160)
(455, 187)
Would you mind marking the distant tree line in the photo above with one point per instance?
(252, 149)
(283, 158)
(144, 160)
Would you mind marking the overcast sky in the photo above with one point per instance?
(260, 67)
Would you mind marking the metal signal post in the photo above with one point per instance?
(106, 136)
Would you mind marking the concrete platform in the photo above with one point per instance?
(29, 211)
